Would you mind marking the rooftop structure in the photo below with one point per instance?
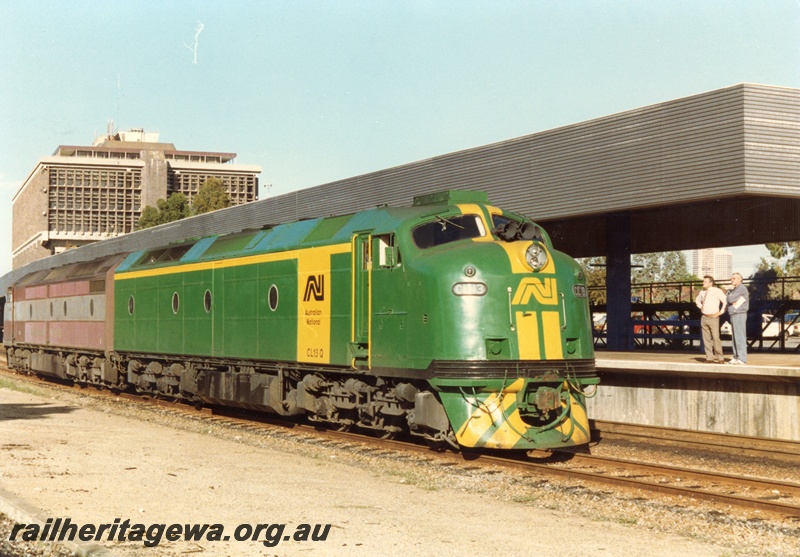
(81, 194)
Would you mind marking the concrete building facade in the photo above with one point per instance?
(82, 194)
(715, 262)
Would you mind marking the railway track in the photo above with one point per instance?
(729, 490)
(753, 446)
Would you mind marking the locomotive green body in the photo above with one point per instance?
(381, 298)
(450, 320)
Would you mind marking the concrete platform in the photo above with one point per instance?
(760, 366)
(679, 390)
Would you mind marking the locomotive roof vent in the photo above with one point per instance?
(451, 196)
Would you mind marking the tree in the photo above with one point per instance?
(668, 266)
(175, 208)
(210, 197)
(648, 268)
(150, 217)
(790, 251)
(594, 268)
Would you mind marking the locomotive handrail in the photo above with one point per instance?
(510, 310)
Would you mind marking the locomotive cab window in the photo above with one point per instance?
(388, 254)
(444, 230)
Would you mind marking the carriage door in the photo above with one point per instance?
(362, 270)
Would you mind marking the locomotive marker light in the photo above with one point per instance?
(470, 289)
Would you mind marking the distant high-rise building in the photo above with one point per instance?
(711, 261)
(81, 195)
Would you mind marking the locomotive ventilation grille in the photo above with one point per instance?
(511, 369)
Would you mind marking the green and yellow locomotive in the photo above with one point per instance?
(450, 320)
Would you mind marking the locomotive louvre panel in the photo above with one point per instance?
(236, 330)
(277, 329)
(197, 322)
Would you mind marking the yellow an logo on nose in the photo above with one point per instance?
(544, 290)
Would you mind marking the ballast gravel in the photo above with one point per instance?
(94, 460)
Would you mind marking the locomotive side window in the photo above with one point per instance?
(176, 303)
(130, 305)
(388, 254)
(445, 230)
(207, 301)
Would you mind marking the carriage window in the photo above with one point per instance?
(444, 230)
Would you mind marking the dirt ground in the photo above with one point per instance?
(94, 466)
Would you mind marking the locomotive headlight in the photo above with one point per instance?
(470, 289)
(536, 256)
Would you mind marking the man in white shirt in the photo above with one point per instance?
(712, 304)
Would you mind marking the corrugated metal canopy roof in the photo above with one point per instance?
(719, 168)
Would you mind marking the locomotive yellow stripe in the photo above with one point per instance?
(528, 335)
(314, 306)
(551, 326)
(578, 422)
(490, 414)
(511, 430)
(474, 209)
(516, 257)
(226, 263)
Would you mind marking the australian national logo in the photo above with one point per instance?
(315, 286)
(544, 290)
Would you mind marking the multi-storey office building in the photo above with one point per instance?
(84, 194)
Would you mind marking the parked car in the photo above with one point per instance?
(792, 323)
(770, 327)
(674, 324)
(599, 321)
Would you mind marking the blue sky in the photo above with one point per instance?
(317, 91)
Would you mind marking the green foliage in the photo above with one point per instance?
(210, 197)
(768, 275)
(595, 270)
(788, 250)
(175, 208)
(668, 266)
(647, 268)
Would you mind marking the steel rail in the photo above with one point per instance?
(246, 422)
(696, 438)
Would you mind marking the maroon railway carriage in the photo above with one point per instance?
(60, 321)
